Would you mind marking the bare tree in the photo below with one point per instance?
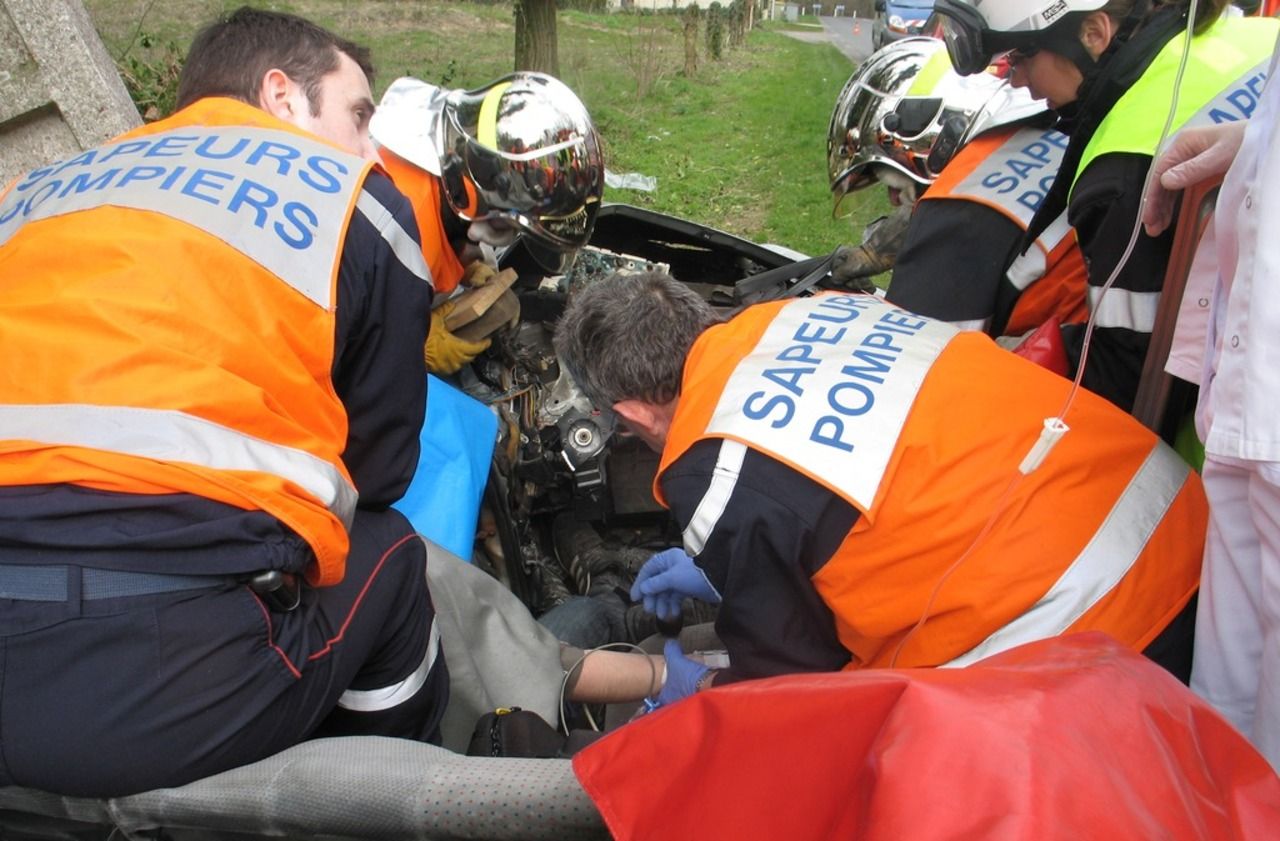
(536, 43)
(689, 19)
(646, 49)
(737, 13)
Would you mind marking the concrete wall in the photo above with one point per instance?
(59, 90)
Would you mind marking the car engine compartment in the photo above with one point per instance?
(558, 458)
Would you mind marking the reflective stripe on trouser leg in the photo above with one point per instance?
(386, 697)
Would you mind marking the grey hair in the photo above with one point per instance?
(626, 337)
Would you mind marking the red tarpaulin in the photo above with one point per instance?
(1069, 738)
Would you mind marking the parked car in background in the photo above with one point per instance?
(899, 19)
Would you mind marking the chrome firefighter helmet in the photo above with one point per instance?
(977, 31)
(523, 150)
(904, 108)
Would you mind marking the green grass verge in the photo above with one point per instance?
(739, 146)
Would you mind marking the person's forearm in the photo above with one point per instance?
(609, 677)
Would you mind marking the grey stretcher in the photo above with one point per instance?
(369, 787)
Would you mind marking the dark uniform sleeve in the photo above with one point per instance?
(952, 262)
(1104, 205)
(384, 308)
(777, 529)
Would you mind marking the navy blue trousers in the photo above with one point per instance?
(108, 697)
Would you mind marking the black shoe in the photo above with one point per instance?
(552, 590)
(577, 545)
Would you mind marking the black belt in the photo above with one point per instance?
(31, 583)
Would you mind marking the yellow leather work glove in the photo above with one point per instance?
(477, 274)
(444, 352)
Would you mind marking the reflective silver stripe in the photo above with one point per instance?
(1026, 268)
(723, 480)
(402, 244)
(1103, 563)
(979, 324)
(1122, 308)
(1054, 235)
(386, 697)
(1031, 265)
(279, 198)
(167, 435)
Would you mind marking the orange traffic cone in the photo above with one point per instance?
(857, 28)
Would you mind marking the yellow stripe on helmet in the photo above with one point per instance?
(487, 130)
(930, 75)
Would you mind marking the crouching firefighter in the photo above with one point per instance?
(518, 159)
(983, 155)
(859, 485)
(213, 387)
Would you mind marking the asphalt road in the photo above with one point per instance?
(851, 36)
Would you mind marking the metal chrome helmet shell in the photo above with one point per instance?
(871, 93)
(524, 149)
(896, 105)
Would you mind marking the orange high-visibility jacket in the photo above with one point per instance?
(423, 191)
(922, 428)
(1010, 170)
(168, 319)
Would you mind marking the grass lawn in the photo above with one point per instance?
(739, 146)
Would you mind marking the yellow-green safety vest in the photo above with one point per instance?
(1225, 73)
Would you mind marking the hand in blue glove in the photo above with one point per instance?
(667, 579)
(683, 674)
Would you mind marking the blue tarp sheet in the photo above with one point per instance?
(443, 500)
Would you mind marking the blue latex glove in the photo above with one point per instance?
(683, 674)
(667, 579)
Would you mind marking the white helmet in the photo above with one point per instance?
(906, 109)
(977, 31)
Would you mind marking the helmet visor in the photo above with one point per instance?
(901, 140)
(971, 46)
(842, 192)
(853, 142)
(502, 159)
(962, 32)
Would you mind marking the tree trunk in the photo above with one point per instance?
(690, 18)
(536, 36)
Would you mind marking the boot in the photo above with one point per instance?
(577, 546)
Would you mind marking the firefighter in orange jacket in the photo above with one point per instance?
(212, 330)
(983, 154)
(516, 159)
(854, 483)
